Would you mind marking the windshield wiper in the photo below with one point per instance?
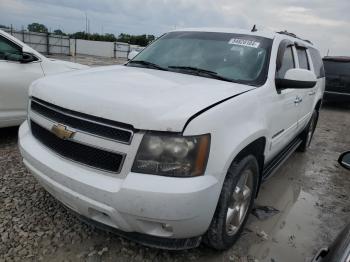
(197, 70)
(148, 64)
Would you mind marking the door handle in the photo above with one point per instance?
(312, 93)
(298, 100)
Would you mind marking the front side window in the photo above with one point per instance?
(9, 51)
(226, 56)
(302, 57)
(287, 62)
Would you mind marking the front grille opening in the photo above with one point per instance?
(80, 124)
(86, 155)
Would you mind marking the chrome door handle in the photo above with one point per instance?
(312, 93)
(298, 100)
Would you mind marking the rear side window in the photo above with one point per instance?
(287, 62)
(302, 57)
(317, 62)
(337, 68)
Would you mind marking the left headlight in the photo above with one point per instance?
(172, 155)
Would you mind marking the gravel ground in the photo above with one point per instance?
(312, 192)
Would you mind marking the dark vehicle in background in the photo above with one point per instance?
(337, 69)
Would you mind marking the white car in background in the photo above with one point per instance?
(20, 65)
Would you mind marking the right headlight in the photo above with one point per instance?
(172, 155)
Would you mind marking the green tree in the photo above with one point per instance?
(4, 26)
(58, 32)
(36, 27)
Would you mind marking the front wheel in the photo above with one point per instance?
(235, 204)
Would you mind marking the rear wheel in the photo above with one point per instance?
(308, 133)
(235, 204)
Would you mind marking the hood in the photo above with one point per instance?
(68, 65)
(145, 98)
(53, 66)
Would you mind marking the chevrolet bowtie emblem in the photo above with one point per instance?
(61, 131)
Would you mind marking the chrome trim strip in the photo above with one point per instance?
(88, 120)
(86, 144)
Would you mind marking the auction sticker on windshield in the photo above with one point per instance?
(244, 42)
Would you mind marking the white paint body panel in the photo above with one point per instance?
(16, 77)
(163, 101)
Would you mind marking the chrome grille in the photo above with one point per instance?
(85, 123)
(88, 133)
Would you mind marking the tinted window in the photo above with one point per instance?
(287, 62)
(302, 57)
(317, 62)
(9, 51)
(240, 58)
(337, 68)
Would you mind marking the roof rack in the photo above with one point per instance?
(285, 32)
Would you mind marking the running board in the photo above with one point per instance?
(271, 167)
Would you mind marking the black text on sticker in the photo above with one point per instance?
(244, 42)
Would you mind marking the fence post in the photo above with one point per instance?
(115, 50)
(129, 48)
(75, 46)
(48, 43)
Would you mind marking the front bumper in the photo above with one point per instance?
(175, 208)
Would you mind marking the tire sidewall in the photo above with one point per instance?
(217, 235)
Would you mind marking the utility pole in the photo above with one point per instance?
(86, 23)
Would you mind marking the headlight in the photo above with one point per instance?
(172, 155)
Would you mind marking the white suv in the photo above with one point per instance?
(171, 148)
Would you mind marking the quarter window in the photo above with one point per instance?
(317, 62)
(287, 62)
(302, 57)
(9, 51)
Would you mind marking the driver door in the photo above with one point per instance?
(15, 78)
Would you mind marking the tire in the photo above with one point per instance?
(222, 234)
(308, 133)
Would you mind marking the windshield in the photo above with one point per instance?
(225, 56)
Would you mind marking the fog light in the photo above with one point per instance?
(167, 227)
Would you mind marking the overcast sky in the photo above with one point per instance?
(325, 22)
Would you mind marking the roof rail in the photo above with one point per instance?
(285, 32)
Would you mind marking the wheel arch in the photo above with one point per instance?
(257, 149)
(318, 105)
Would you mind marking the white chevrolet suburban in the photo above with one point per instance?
(172, 147)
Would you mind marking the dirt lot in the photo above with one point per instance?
(310, 191)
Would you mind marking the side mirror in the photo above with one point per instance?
(296, 78)
(344, 160)
(132, 54)
(27, 58)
